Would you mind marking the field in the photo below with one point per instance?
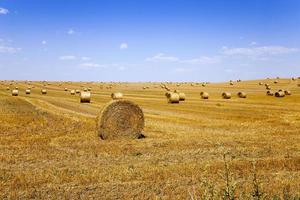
(197, 149)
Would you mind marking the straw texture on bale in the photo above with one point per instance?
(204, 95)
(242, 95)
(43, 91)
(85, 97)
(15, 92)
(121, 119)
(173, 98)
(279, 94)
(270, 93)
(116, 95)
(226, 95)
(27, 91)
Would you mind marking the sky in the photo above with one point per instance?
(149, 40)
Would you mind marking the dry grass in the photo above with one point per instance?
(198, 149)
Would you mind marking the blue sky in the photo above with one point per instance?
(149, 40)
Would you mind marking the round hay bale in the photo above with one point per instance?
(77, 91)
(89, 89)
(181, 96)
(260, 83)
(44, 91)
(15, 92)
(168, 94)
(231, 83)
(85, 89)
(293, 79)
(270, 93)
(120, 119)
(268, 88)
(204, 95)
(203, 84)
(28, 91)
(276, 82)
(16, 87)
(279, 94)
(7, 88)
(85, 97)
(287, 92)
(226, 95)
(116, 95)
(72, 92)
(173, 98)
(242, 94)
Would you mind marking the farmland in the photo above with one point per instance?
(197, 149)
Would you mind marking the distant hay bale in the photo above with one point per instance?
(287, 92)
(89, 89)
(77, 91)
(203, 84)
(181, 96)
(226, 95)
(66, 89)
(260, 83)
(16, 87)
(279, 94)
(270, 93)
(120, 119)
(15, 92)
(28, 91)
(204, 95)
(85, 97)
(173, 98)
(7, 88)
(72, 92)
(276, 82)
(242, 94)
(85, 89)
(168, 94)
(231, 83)
(44, 91)
(268, 87)
(116, 95)
(293, 78)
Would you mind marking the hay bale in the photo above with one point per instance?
(44, 91)
(120, 119)
(72, 92)
(276, 82)
(231, 83)
(168, 94)
(203, 84)
(268, 87)
(85, 97)
(181, 96)
(242, 94)
(15, 92)
(293, 78)
(89, 89)
(270, 93)
(173, 98)
(85, 89)
(116, 95)
(226, 95)
(260, 83)
(16, 87)
(280, 94)
(66, 89)
(7, 88)
(287, 92)
(77, 91)
(204, 95)
(28, 91)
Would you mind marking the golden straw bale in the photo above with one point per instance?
(117, 95)
(242, 94)
(85, 97)
(204, 95)
(173, 98)
(226, 95)
(15, 92)
(120, 119)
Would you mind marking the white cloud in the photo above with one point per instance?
(7, 49)
(44, 42)
(3, 11)
(91, 65)
(258, 51)
(71, 32)
(204, 60)
(124, 46)
(253, 43)
(85, 58)
(162, 57)
(68, 57)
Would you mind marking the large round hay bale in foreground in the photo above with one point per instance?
(173, 98)
(226, 95)
(85, 97)
(116, 95)
(27, 91)
(279, 94)
(242, 94)
(204, 95)
(15, 92)
(120, 119)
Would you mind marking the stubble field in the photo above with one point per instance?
(49, 148)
